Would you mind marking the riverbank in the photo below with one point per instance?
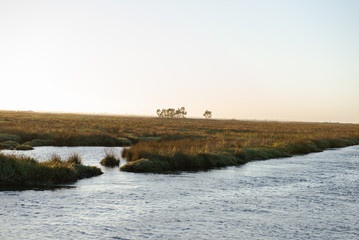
(164, 145)
(152, 163)
(25, 171)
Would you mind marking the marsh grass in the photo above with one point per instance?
(40, 142)
(110, 160)
(148, 159)
(24, 147)
(10, 144)
(26, 171)
(75, 158)
(9, 137)
(177, 144)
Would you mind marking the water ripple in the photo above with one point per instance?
(305, 197)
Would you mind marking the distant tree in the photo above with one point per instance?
(159, 113)
(183, 112)
(207, 114)
(171, 113)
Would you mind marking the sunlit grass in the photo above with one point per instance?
(179, 144)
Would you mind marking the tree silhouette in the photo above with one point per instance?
(159, 113)
(207, 114)
(171, 113)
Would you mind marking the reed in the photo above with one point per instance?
(74, 159)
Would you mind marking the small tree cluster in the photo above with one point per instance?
(171, 113)
(207, 114)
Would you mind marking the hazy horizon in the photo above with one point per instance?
(249, 60)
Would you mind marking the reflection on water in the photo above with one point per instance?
(305, 197)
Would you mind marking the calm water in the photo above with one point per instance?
(315, 196)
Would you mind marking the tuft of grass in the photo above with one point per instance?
(24, 147)
(74, 159)
(110, 159)
(55, 158)
(26, 171)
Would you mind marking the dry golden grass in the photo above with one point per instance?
(164, 138)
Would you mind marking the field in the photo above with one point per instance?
(164, 145)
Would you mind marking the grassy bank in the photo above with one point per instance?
(25, 171)
(160, 145)
(150, 161)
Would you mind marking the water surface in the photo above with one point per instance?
(312, 196)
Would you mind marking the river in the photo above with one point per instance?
(314, 196)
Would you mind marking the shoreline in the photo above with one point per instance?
(165, 145)
(204, 162)
(26, 172)
(23, 173)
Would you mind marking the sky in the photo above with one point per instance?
(287, 60)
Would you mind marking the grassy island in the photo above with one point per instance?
(26, 171)
(110, 159)
(163, 144)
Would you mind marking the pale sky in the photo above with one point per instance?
(267, 60)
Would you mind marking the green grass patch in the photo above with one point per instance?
(24, 147)
(157, 138)
(9, 137)
(40, 142)
(155, 163)
(110, 159)
(8, 144)
(181, 162)
(146, 166)
(124, 141)
(26, 171)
